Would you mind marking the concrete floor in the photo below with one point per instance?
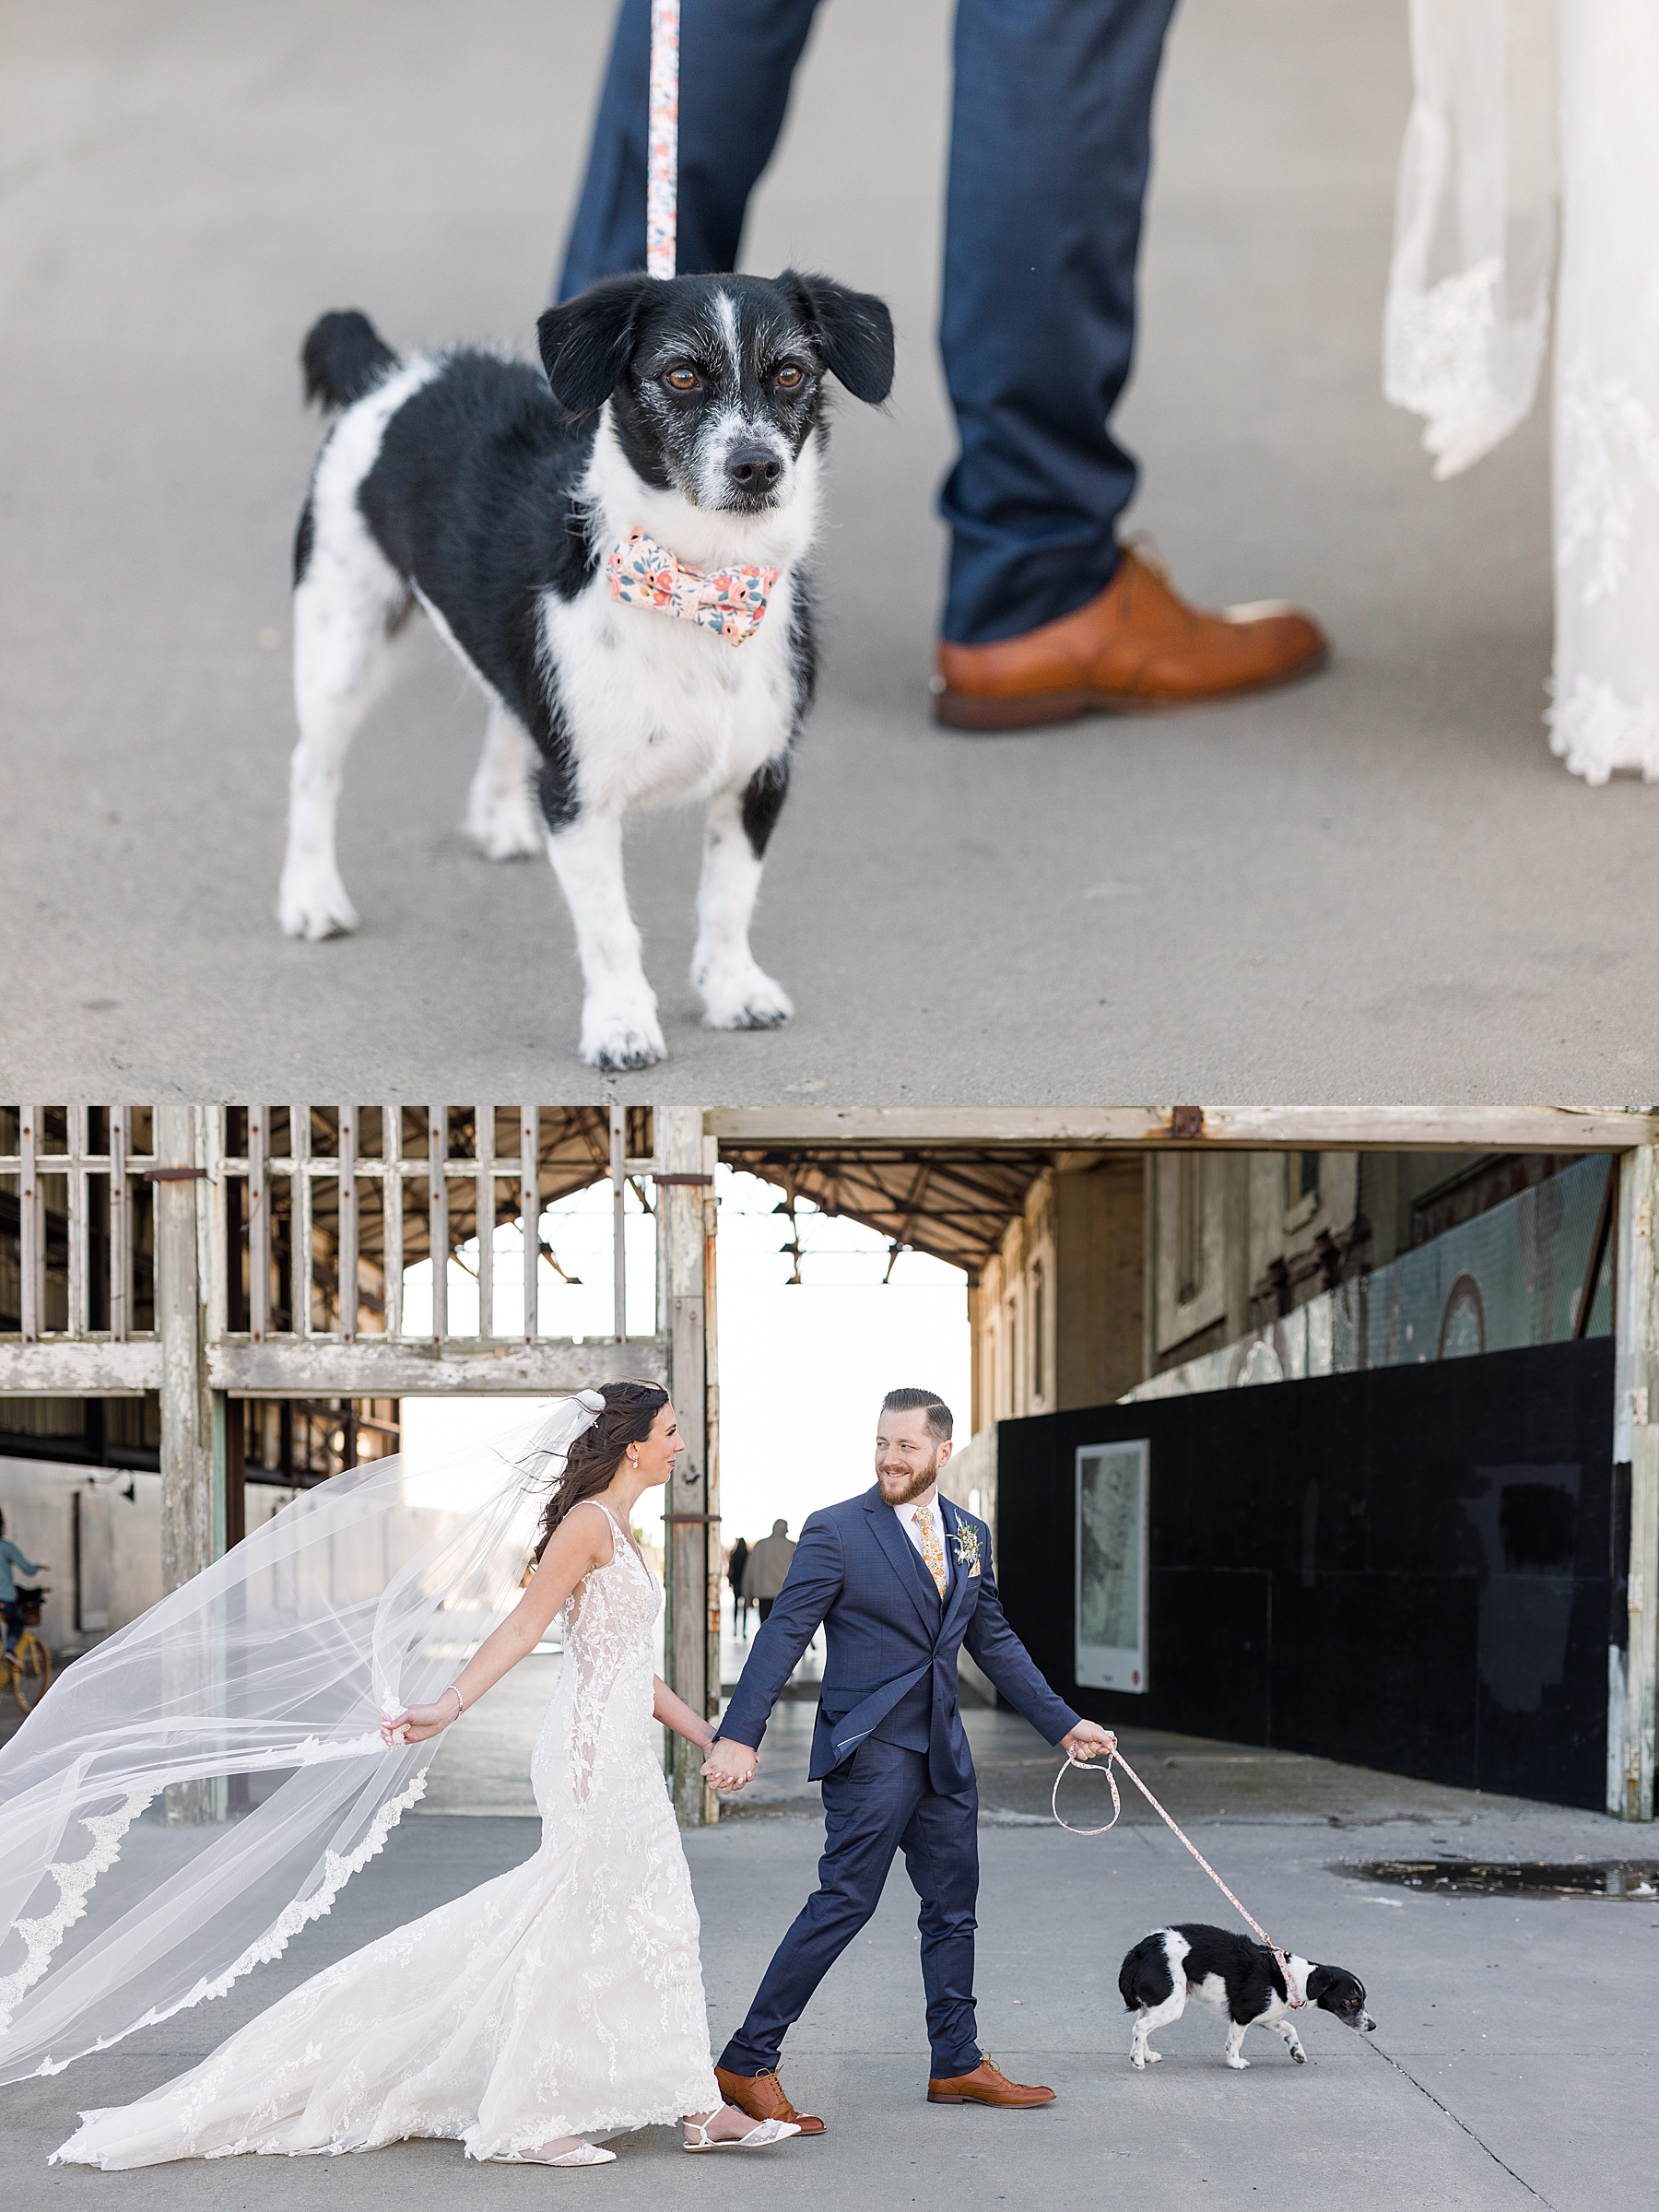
(1557, 2109)
(1376, 888)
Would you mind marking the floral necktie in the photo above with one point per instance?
(933, 1551)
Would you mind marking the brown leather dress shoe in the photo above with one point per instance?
(761, 2097)
(1136, 647)
(986, 2085)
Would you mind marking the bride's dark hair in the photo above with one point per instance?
(631, 1408)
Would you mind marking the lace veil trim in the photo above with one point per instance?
(1467, 315)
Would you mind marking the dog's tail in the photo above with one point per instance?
(344, 357)
(1129, 1973)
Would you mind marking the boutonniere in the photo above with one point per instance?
(966, 1548)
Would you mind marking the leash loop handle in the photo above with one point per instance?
(1088, 1766)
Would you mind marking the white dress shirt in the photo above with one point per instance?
(930, 1511)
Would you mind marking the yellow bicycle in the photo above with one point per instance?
(28, 1663)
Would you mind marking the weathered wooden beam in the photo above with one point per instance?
(1268, 1128)
(121, 1226)
(1632, 1686)
(529, 1215)
(618, 1155)
(484, 1214)
(323, 1367)
(79, 1316)
(345, 1264)
(392, 1215)
(91, 1368)
(29, 1222)
(259, 1222)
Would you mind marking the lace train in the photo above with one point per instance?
(563, 1998)
(1512, 96)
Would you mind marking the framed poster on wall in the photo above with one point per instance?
(1112, 1566)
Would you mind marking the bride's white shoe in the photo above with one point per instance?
(763, 2132)
(582, 2153)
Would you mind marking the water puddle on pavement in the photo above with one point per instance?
(1628, 1879)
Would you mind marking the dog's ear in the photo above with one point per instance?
(853, 330)
(586, 342)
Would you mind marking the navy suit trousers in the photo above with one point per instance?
(879, 1802)
(1050, 148)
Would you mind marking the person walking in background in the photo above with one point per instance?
(11, 1557)
(1047, 615)
(736, 1561)
(769, 1563)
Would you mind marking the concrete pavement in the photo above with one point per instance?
(1378, 886)
(1513, 2062)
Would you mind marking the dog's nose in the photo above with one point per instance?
(754, 468)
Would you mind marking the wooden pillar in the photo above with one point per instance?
(187, 1486)
(1100, 1294)
(188, 1499)
(685, 1199)
(1634, 1669)
(1236, 1243)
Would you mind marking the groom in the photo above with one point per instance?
(901, 1579)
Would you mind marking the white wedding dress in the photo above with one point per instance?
(564, 1998)
(1535, 120)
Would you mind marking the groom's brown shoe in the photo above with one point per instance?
(1136, 647)
(986, 2085)
(761, 2097)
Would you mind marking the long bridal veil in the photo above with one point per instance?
(199, 1785)
(1467, 315)
(1523, 107)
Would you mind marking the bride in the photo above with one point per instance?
(560, 1999)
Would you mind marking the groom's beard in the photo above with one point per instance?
(900, 1484)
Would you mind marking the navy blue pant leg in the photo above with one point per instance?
(1050, 154)
(941, 1856)
(1051, 150)
(880, 1803)
(737, 60)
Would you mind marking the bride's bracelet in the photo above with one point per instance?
(460, 1700)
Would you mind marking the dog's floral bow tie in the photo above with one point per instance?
(727, 601)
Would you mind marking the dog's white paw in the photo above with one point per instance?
(1137, 2060)
(1154, 2058)
(1239, 2065)
(742, 998)
(1299, 2054)
(619, 1036)
(311, 903)
(506, 828)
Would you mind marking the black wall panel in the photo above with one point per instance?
(1410, 1568)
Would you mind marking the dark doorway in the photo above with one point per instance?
(1409, 1569)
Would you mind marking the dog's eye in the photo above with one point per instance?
(682, 380)
(788, 377)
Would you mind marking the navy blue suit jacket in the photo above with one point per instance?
(891, 1666)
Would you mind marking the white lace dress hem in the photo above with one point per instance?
(563, 1998)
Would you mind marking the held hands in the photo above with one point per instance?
(418, 1723)
(1087, 1740)
(730, 1767)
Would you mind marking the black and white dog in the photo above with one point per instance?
(1237, 1977)
(616, 551)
